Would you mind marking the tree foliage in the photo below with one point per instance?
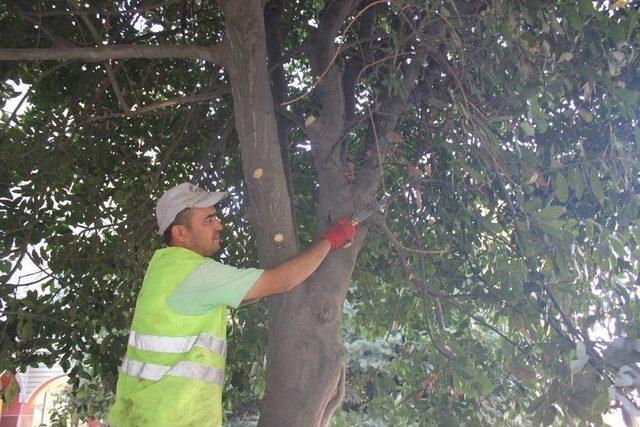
(500, 283)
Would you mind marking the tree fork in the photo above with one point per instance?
(305, 352)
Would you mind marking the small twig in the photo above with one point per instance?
(374, 63)
(423, 251)
(22, 314)
(179, 100)
(26, 95)
(103, 12)
(107, 65)
(24, 251)
(335, 55)
(378, 153)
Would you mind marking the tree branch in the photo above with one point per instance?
(354, 63)
(182, 100)
(272, 15)
(178, 100)
(104, 12)
(22, 6)
(107, 65)
(26, 96)
(215, 54)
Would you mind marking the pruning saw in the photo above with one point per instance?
(377, 206)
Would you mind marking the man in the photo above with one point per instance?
(173, 371)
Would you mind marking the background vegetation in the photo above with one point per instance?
(499, 285)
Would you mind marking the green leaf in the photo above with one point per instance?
(551, 229)
(601, 404)
(627, 96)
(550, 213)
(596, 186)
(575, 20)
(561, 187)
(616, 32)
(617, 246)
(532, 205)
(25, 329)
(590, 230)
(576, 182)
(586, 7)
(482, 384)
(527, 128)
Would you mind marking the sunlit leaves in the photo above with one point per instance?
(561, 187)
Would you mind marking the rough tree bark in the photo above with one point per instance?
(305, 368)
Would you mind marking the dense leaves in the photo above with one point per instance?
(511, 240)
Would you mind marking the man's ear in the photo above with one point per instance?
(179, 233)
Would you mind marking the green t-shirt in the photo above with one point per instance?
(210, 285)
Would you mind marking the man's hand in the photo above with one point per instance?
(340, 233)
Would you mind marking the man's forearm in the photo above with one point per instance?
(297, 269)
(290, 273)
(294, 271)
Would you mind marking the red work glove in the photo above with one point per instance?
(340, 233)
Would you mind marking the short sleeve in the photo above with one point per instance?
(210, 285)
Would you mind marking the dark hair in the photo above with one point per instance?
(183, 218)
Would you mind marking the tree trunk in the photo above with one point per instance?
(305, 359)
(305, 372)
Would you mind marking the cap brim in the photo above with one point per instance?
(204, 200)
(208, 199)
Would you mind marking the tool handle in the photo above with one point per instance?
(355, 222)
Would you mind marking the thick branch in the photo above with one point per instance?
(214, 54)
(323, 54)
(182, 100)
(322, 41)
(278, 83)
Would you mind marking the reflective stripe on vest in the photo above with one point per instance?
(186, 369)
(177, 344)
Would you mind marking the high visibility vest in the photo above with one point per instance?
(173, 370)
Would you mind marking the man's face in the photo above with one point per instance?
(203, 234)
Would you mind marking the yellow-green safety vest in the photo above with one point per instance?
(173, 370)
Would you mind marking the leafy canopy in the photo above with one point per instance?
(512, 237)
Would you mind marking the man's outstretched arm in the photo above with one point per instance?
(295, 270)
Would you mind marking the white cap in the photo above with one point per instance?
(180, 197)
